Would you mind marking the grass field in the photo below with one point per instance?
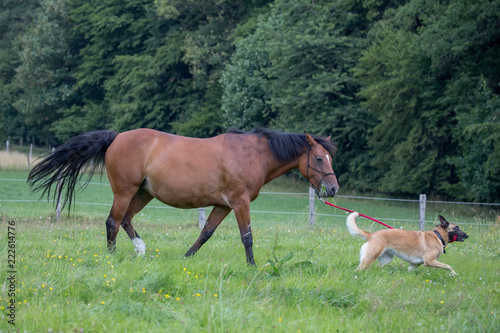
(305, 281)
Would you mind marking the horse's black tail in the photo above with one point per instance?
(63, 166)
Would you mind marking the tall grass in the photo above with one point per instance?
(13, 160)
(305, 279)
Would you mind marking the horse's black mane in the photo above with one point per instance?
(287, 146)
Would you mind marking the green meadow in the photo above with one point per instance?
(305, 279)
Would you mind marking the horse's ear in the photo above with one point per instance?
(328, 138)
(309, 139)
(443, 221)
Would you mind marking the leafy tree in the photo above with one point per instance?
(246, 92)
(408, 88)
(144, 89)
(478, 158)
(294, 72)
(208, 28)
(102, 32)
(15, 17)
(463, 47)
(416, 77)
(44, 73)
(153, 64)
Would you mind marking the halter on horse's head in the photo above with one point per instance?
(319, 170)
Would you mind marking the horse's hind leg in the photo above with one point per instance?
(139, 201)
(213, 221)
(122, 212)
(116, 215)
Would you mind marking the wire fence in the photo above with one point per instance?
(311, 212)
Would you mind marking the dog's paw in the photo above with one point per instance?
(453, 273)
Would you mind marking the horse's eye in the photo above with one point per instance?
(319, 158)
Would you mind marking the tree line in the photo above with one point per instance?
(408, 89)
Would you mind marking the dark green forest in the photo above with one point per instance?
(409, 90)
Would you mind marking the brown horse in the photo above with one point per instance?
(226, 172)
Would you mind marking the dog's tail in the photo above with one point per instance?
(353, 228)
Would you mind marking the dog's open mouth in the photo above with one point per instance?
(458, 238)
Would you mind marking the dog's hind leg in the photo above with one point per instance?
(367, 255)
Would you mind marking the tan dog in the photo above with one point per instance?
(415, 247)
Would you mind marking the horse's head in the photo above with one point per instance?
(316, 166)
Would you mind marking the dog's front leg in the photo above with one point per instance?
(412, 267)
(437, 264)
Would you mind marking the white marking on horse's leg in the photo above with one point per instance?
(139, 246)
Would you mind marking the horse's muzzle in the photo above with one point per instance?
(332, 191)
(325, 191)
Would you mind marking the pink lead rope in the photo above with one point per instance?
(370, 218)
(351, 211)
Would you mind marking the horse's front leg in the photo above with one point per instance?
(242, 213)
(213, 221)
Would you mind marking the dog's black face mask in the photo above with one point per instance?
(455, 234)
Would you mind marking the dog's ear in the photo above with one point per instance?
(443, 221)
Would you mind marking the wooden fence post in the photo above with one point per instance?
(201, 218)
(311, 207)
(59, 199)
(29, 154)
(422, 211)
